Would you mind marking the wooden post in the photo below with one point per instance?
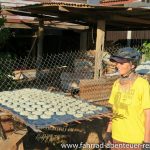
(34, 46)
(83, 40)
(40, 42)
(99, 48)
(129, 37)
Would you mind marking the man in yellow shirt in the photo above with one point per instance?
(130, 99)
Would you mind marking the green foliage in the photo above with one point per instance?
(7, 55)
(146, 50)
(6, 62)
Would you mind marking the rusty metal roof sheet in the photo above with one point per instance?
(115, 2)
(69, 4)
(117, 17)
(109, 1)
(62, 3)
(17, 3)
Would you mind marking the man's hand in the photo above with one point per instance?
(108, 138)
(145, 146)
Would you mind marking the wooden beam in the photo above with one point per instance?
(23, 13)
(99, 48)
(129, 19)
(53, 15)
(61, 8)
(67, 26)
(17, 25)
(40, 42)
(123, 26)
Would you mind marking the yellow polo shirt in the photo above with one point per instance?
(128, 109)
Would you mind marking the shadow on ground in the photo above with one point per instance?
(89, 132)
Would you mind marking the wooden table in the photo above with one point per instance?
(13, 140)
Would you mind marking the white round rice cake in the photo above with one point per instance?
(24, 105)
(18, 109)
(44, 116)
(49, 113)
(60, 113)
(40, 103)
(78, 115)
(90, 112)
(46, 106)
(42, 109)
(99, 108)
(28, 109)
(37, 112)
(71, 112)
(32, 117)
(25, 113)
(37, 106)
(32, 109)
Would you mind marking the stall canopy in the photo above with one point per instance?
(116, 18)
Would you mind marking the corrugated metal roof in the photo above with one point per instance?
(118, 17)
(69, 4)
(108, 1)
(11, 18)
(115, 2)
(17, 3)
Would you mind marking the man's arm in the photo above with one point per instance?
(147, 126)
(109, 126)
(108, 135)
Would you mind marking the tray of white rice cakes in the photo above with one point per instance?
(40, 109)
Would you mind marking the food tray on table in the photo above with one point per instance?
(41, 109)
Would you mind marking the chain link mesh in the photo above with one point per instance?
(56, 71)
(60, 72)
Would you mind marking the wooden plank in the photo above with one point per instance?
(99, 48)
(16, 25)
(129, 19)
(14, 141)
(20, 146)
(7, 125)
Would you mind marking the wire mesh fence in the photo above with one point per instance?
(62, 72)
(57, 71)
